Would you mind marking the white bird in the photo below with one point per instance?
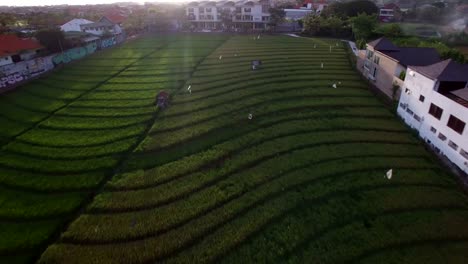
(189, 89)
(334, 85)
(389, 174)
(258, 37)
(321, 65)
(220, 57)
(250, 116)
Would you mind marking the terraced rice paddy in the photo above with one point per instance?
(86, 152)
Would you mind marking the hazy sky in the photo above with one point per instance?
(72, 2)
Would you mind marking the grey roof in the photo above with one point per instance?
(97, 24)
(414, 56)
(445, 71)
(462, 93)
(406, 55)
(382, 44)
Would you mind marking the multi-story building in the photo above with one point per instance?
(229, 15)
(435, 103)
(385, 64)
(103, 26)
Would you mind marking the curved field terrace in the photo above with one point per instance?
(286, 163)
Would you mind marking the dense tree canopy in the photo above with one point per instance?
(363, 25)
(52, 39)
(350, 9)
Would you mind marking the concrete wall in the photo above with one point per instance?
(5, 61)
(416, 114)
(387, 69)
(15, 73)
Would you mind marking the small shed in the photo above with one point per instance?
(162, 100)
(256, 64)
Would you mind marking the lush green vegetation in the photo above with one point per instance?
(64, 135)
(200, 181)
(301, 181)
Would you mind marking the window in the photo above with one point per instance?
(433, 130)
(370, 54)
(409, 111)
(464, 153)
(376, 60)
(456, 124)
(247, 10)
(421, 98)
(238, 9)
(248, 18)
(190, 10)
(453, 145)
(265, 8)
(265, 18)
(208, 9)
(402, 105)
(435, 111)
(442, 137)
(201, 10)
(417, 118)
(375, 72)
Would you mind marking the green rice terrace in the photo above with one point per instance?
(267, 165)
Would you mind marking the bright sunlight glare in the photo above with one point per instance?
(75, 2)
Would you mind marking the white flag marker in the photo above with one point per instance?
(389, 174)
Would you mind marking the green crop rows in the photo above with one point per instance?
(302, 181)
(64, 135)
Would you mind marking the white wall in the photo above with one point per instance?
(74, 25)
(421, 85)
(5, 60)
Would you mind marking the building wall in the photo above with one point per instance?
(411, 109)
(74, 25)
(200, 19)
(386, 71)
(5, 60)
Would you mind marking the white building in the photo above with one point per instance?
(435, 102)
(74, 24)
(237, 14)
(104, 25)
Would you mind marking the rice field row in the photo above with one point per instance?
(67, 133)
(271, 165)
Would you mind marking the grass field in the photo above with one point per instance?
(302, 181)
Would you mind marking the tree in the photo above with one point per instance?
(350, 9)
(276, 16)
(6, 19)
(312, 24)
(52, 39)
(363, 25)
(429, 14)
(391, 30)
(226, 18)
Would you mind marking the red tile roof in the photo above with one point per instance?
(11, 44)
(116, 18)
